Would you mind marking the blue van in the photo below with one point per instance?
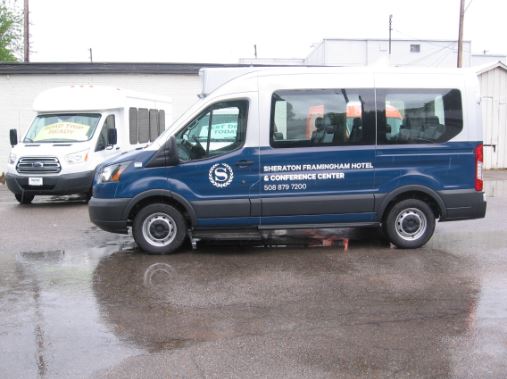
(305, 148)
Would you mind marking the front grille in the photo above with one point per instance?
(38, 165)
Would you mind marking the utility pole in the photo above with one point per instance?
(255, 51)
(91, 55)
(390, 30)
(26, 31)
(460, 37)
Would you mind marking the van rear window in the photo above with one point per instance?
(418, 116)
(341, 117)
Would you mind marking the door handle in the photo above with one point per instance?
(244, 163)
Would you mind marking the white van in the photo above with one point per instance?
(75, 129)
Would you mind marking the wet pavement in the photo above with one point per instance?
(79, 302)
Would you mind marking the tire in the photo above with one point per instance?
(410, 224)
(87, 196)
(24, 198)
(159, 229)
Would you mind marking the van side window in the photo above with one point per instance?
(419, 116)
(103, 141)
(218, 130)
(145, 124)
(337, 117)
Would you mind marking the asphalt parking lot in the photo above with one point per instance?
(79, 302)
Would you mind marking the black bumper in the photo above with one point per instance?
(109, 214)
(52, 185)
(463, 204)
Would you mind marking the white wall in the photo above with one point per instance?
(344, 52)
(482, 59)
(316, 56)
(494, 117)
(17, 93)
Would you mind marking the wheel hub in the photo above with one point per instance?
(411, 224)
(159, 229)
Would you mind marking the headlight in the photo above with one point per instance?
(78, 157)
(12, 158)
(113, 172)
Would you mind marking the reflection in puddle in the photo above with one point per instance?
(52, 256)
(155, 271)
(381, 311)
(49, 316)
(484, 346)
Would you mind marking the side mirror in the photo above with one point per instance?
(13, 135)
(171, 152)
(112, 136)
(167, 155)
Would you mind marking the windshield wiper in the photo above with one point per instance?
(57, 140)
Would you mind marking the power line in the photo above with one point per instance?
(428, 42)
(442, 48)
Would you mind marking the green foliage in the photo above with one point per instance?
(10, 33)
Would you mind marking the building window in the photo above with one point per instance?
(416, 48)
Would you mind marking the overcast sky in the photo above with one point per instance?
(225, 30)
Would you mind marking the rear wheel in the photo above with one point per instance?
(410, 224)
(24, 198)
(159, 229)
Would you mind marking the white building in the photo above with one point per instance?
(346, 52)
(493, 80)
(364, 52)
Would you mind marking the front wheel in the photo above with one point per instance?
(410, 224)
(159, 229)
(24, 198)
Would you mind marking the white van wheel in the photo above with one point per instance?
(24, 198)
(410, 223)
(159, 229)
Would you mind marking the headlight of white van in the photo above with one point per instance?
(12, 158)
(113, 172)
(78, 157)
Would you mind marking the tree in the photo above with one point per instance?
(10, 33)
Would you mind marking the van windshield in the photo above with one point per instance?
(77, 127)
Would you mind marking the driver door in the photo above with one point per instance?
(103, 148)
(217, 170)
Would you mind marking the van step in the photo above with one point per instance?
(218, 235)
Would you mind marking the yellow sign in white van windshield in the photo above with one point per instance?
(76, 127)
(63, 130)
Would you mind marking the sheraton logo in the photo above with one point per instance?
(221, 175)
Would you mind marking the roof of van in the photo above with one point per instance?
(245, 82)
(89, 97)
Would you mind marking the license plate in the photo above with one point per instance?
(35, 181)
